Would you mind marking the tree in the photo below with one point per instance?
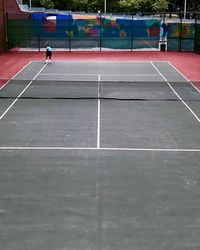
(160, 5)
(129, 5)
(146, 5)
(193, 5)
(63, 4)
(78, 5)
(47, 4)
(34, 3)
(117, 6)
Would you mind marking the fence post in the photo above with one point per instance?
(100, 29)
(69, 23)
(6, 30)
(132, 33)
(69, 38)
(181, 33)
(38, 32)
(195, 34)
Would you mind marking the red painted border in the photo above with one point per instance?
(187, 63)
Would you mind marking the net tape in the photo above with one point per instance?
(119, 90)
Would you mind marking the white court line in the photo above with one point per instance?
(64, 74)
(132, 75)
(99, 113)
(15, 75)
(7, 110)
(197, 118)
(99, 61)
(184, 77)
(56, 74)
(105, 149)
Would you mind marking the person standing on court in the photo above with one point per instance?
(48, 53)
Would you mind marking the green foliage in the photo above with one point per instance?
(129, 5)
(34, 3)
(63, 4)
(117, 6)
(160, 5)
(47, 4)
(146, 5)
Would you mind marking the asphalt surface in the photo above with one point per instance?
(100, 174)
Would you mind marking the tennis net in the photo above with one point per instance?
(119, 90)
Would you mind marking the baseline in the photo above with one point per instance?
(105, 149)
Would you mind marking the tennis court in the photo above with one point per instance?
(100, 156)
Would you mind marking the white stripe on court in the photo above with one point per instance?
(197, 118)
(7, 110)
(52, 74)
(66, 74)
(99, 113)
(105, 149)
(15, 75)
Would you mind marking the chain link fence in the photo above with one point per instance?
(98, 32)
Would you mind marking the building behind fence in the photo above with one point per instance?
(98, 32)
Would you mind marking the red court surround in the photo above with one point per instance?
(187, 63)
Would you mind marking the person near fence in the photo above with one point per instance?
(48, 53)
